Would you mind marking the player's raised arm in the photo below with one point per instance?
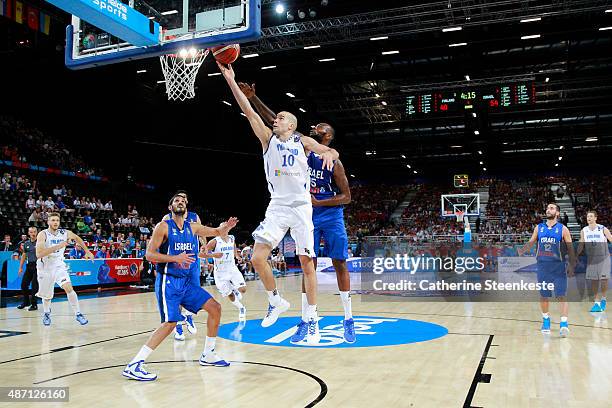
(75, 237)
(344, 197)
(205, 231)
(527, 247)
(260, 129)
(327, 154)
(267, 114)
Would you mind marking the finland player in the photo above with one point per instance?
(549, 236)
(195, 276)
(228, 279)
(285, 162)
(173, 246)
(51, 268)
(594, 238)
(327, 213)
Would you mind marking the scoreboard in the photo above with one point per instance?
(461, 180)
(492, 98)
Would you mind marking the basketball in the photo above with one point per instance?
(226, 54)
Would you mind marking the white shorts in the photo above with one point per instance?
(48, 276)
(226, 281)
(279, 219)
(598, 268)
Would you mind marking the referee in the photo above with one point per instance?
(29, 252)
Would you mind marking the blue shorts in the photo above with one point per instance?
(553, 272)
(195, 274)
(332, 230)
(173, 292)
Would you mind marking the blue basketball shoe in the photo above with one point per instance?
(81, 319)
(300, 333)
(596, 308)
(564, 329)
(191, 328)
(603, 305)
(546, 325)
(178, 332)
(349, 331)
(47, 319)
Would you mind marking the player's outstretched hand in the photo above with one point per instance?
(226, 70)
(184, 258)
(247, 90)
(226, 226)
(89, 255)
(328, 160)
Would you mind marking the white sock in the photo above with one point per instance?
(238, 294)
(273, 297)
(73, 299)
(346, 304)
(545, 315)
(143, 354)
(603, 298)
(304, 307)
(209, 344)
(564, 318)
(237, 303)
(311, 312)
(46, 305)
(186, 313)
(597, 302)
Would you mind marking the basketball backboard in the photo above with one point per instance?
(184, 24)
(467, 204)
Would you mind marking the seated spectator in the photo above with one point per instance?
(108, 206)
(134, 212)
(92, 204)
(35, 216)
(60, 204)
(64, 191)
(116, 252)
(99, 205)
(49, 204)
(139, 251)
(97, 236)
(82, 227)
(111, 237)
(40, 202)
(130, 241)
(102, 253)
(30, 203)
(113, 222)
(87, 218)
(76, 253)
(44, 215)
(126, 252)
(6, 244)
(76, 203)
(124, 221)
(57, 191)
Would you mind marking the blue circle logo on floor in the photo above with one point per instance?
(371, 331)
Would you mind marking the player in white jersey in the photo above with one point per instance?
(285, 162)
(594, 238)
(51, 268)
(228, 279)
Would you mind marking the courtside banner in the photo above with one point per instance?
(83, 272)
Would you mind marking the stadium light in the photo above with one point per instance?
(253, 55)
(227, 103)
(312, 47)
(529, 20)
(605, 28)
(269, 67)
(169, 12)
(384, 103)
(529, 37)
(480, 152)
(280, 9)
(327, 59)
(467, 77)
(591, 139)
(390, 52)
(142, 71)
(481, 163)
(379, 38)
(560, 158)
(408, 166)
(302, 110)
(403, 156)
(457, 44)
(352, 175)
(484, 169)
(289, 94)
(449, 29)
(414, 171)
(214, 74)
(476, 132)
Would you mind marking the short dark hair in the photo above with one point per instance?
(556, 205)
(178, 194)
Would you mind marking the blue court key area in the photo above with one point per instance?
(371, 331)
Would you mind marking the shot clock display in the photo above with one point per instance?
(493, 98)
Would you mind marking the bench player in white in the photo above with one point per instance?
(594, 238)
(285, 155)
(228, 279)
(51, 268)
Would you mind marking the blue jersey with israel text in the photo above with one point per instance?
(321, 187)
(178, 241)
(549, 242)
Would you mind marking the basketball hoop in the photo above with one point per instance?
(180, 72)
(459, 215)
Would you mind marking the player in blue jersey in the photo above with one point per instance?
(174, 246)
(188, 316)
(328, 201)
(550, 236)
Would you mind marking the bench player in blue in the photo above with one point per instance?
(174, 246)
(328, 203)
(549, 236)
(195, 276)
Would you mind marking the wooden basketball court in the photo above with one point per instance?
(493, 356)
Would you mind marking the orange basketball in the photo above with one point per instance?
(226, 54)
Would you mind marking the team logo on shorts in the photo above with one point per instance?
(307, 251)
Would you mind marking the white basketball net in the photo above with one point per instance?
(180, 71)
